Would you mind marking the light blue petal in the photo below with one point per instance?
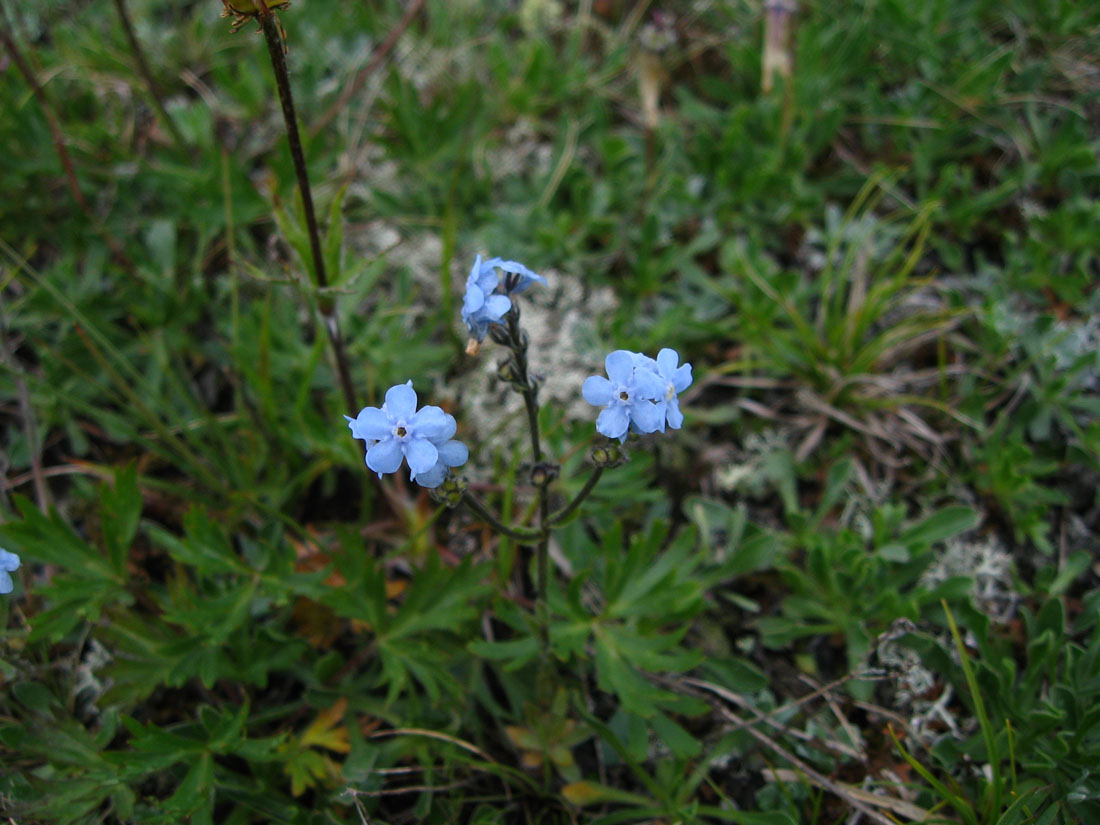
(675, 417)
(400, 401)
(497, 306)
(526, 276)
(644, 362)
(475, 271)
(647, 417)
(6, 585)
(620, 367)
(454, 453)
(681, 379)
(385, 456)
(432, 478)
(596, 390)
(487, 277)
(667, 359)
(8, 561)
(473, 300)
(649, 385)
(613, 422)
(371, 425)
(421, 454)
(433, 424)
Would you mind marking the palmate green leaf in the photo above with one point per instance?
(120, 508)
(50, 540)
(194, 798)
(204, 546)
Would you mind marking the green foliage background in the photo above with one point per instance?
(884, 272)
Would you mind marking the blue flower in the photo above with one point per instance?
(630, 393)
(487, 300)
(9, 562)
(399, 431)
(676, 379)
(482, 305)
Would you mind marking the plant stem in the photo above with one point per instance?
(147, 74)
(270, 27)
(479, 508)
(119, 254)
(566, 511)
(530, 392)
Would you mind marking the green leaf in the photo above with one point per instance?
(941, 525)
(679, 741)
(120, 509)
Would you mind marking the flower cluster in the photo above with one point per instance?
(639, 393)
(423, 438)
(9, 563)
(488, 292)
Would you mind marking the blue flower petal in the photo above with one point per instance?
(8, 561)
(433, 424)
(432, 478)
(6, 585)
(681, 379)
(596, 390)
(497, 306)
(673, 414)
(526, 276)
(385, 456)
(473, 300)
(371, 425)
(454, 453)
(667, 359)
(421, 454)
(613, 422)
(649, 385)
(620, 366)
(647, 417)
(400, 401)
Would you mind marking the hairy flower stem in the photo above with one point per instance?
(147, 74)
(530, 390)
(270, 27)
(566, 511)
(479, 508)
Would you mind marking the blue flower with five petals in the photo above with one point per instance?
(9, 563)
(629, 392)
(399, 431)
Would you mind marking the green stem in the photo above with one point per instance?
(147, 74)
(270, 27)
(530, 392)
(566, 511)
(483, 512)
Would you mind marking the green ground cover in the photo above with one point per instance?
(860, 584)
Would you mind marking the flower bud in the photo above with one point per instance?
(506, 371)
(607, 455)
(450, 492)
(543, 473)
